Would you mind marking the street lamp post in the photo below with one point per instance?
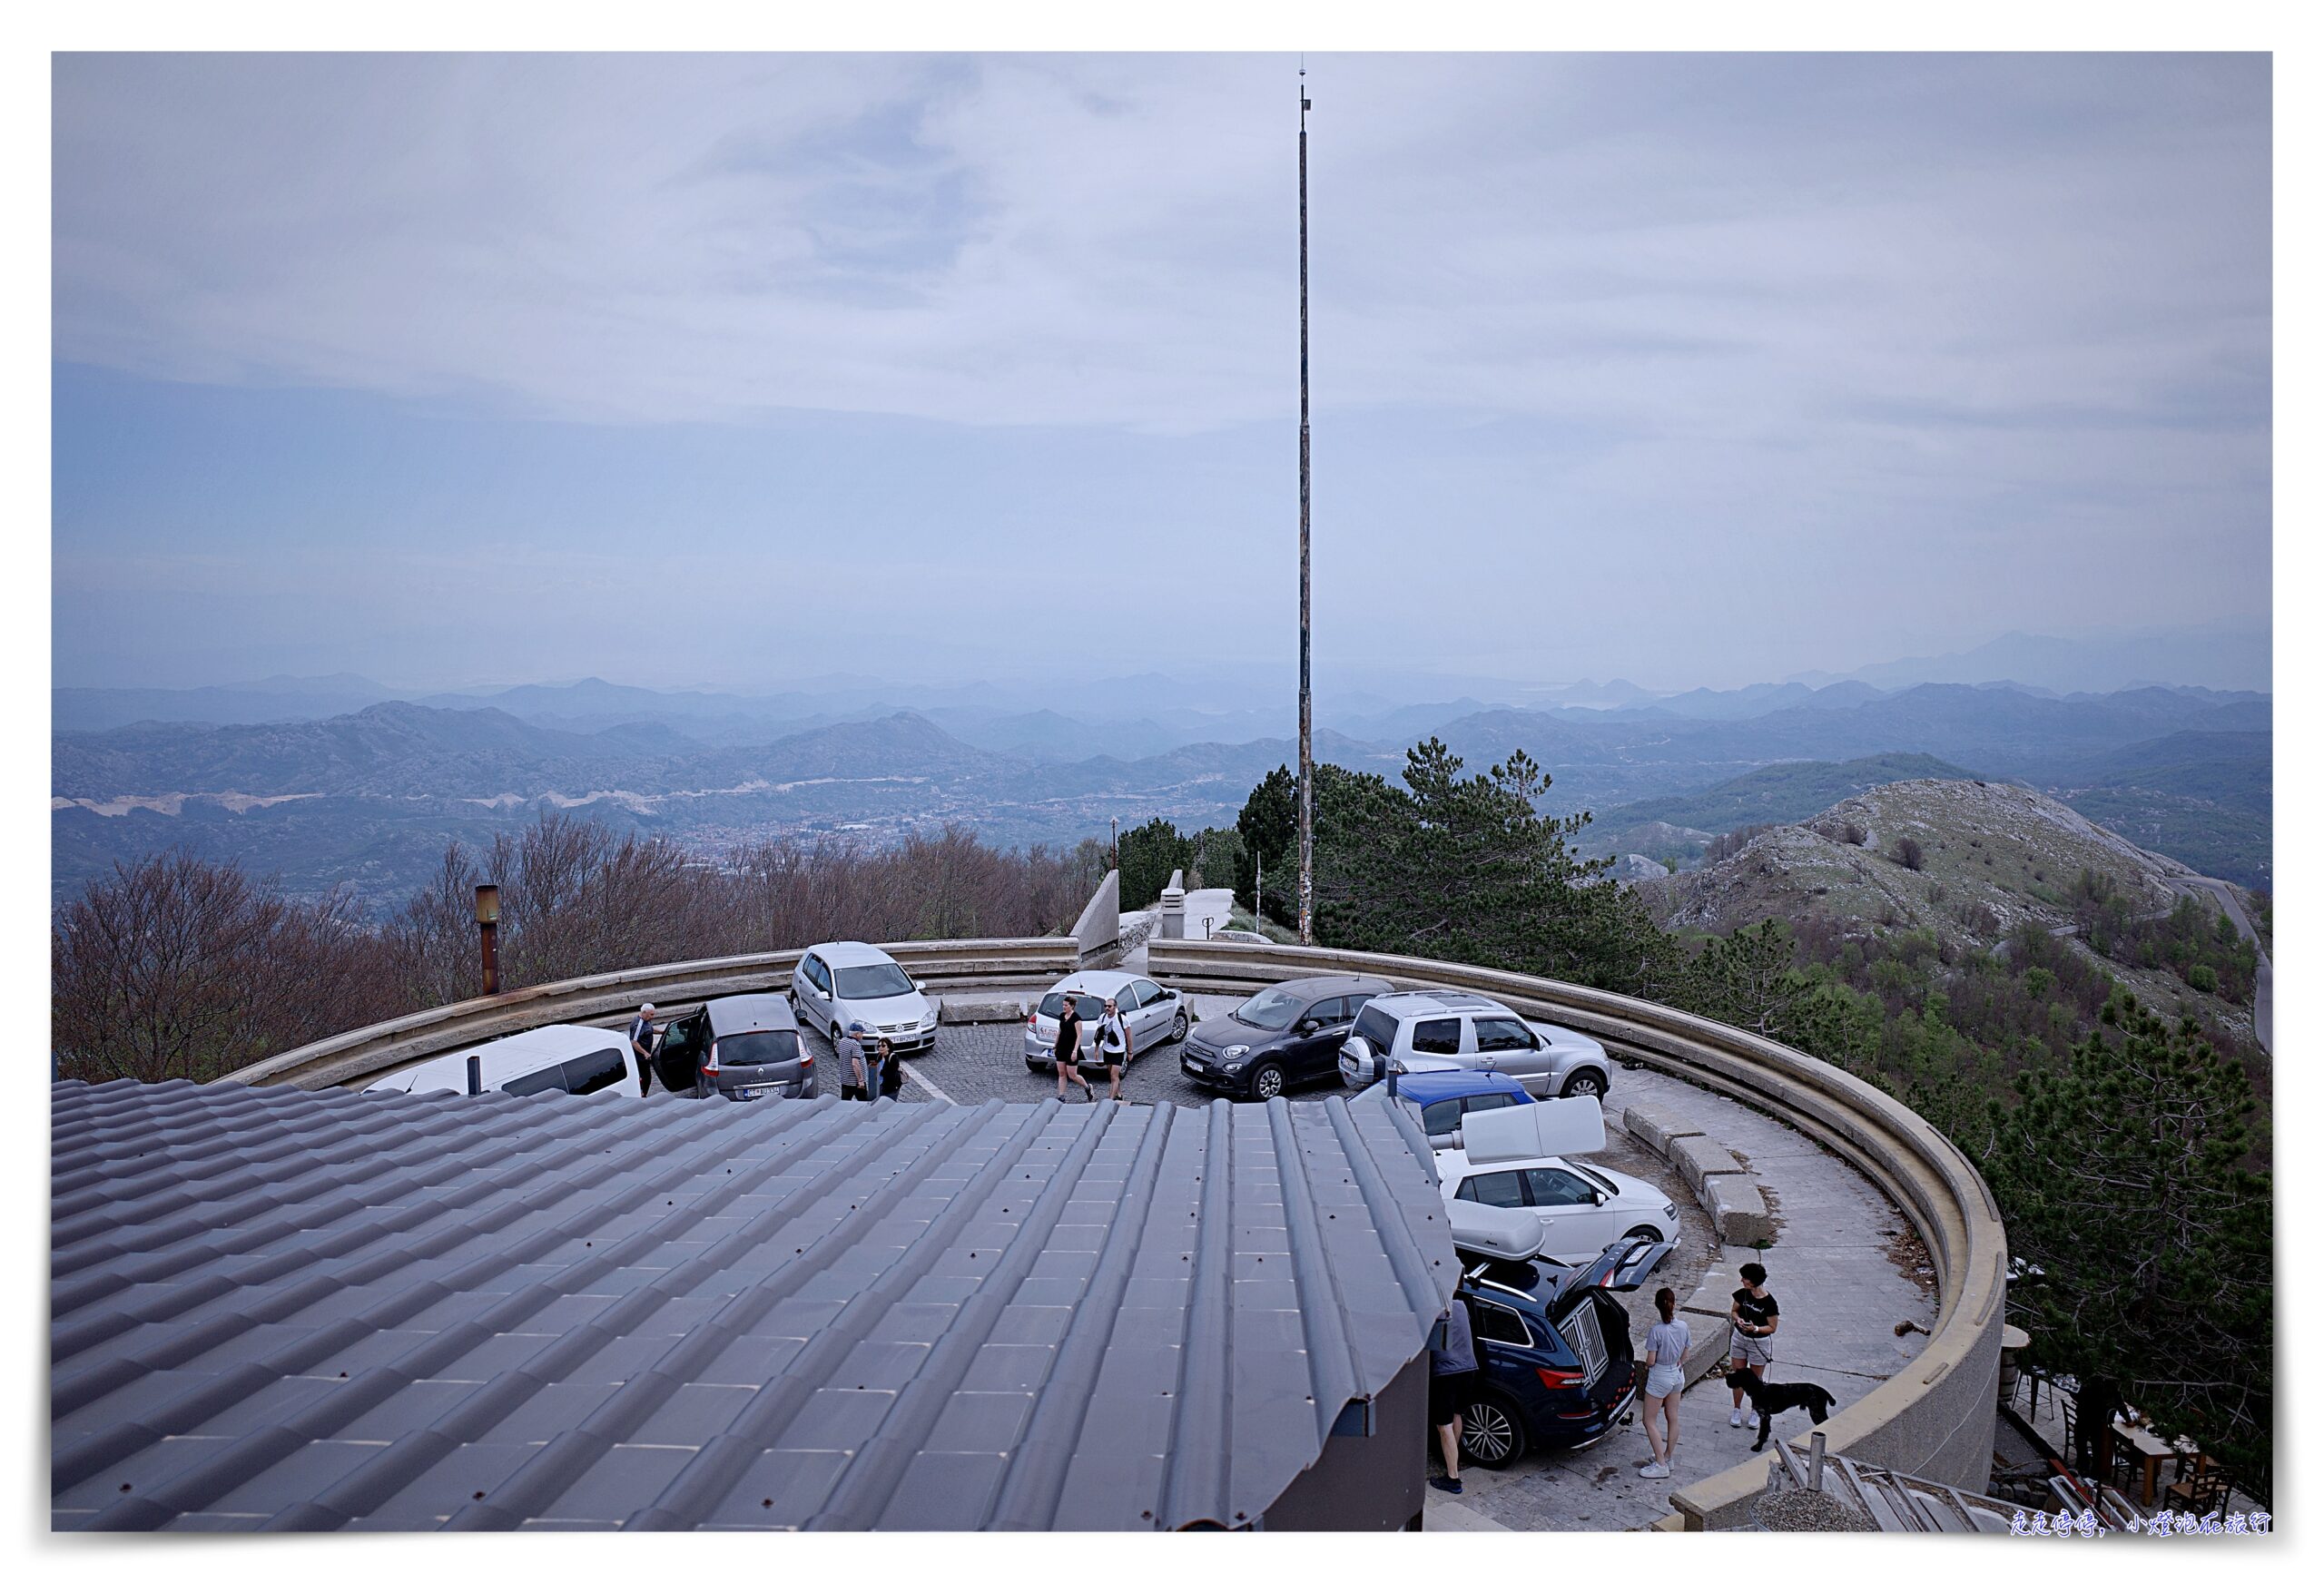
(1306, 700)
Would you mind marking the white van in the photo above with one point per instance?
(560, 1058)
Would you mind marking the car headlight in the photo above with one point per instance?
(1669, 1211)
(1235, 1052)
(928, 1021)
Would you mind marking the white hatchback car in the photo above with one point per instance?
(1507, 1162)
(844, 981)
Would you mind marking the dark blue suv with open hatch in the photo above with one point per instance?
(1554, 1348)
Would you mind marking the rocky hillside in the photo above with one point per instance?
(1969, 860)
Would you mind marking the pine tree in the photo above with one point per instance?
(2122, 1175)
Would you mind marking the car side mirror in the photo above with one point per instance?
(1599, 1198)
(920, 985)
(1307, 1025)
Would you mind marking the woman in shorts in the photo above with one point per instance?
(1114, 1047)
(1752, 1316)
(1665, 1357)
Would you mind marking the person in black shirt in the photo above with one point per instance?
(1752, 1317)
(891, 1070)
(1069, 1046)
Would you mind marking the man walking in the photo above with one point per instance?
(1451, 1369)
(641, 1041)
(854, 1068)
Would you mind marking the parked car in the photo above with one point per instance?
(1554, 1358)
(844, 981)
(561, 1058)
(1521, 1158)
(1286, 1035)
(1454, 1029)
(1441, 1099)
(742, 1046)
(1153, 1015)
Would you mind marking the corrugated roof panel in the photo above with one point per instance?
(328, 1310)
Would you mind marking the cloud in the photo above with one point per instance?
(1729, 336)
(1677, 244)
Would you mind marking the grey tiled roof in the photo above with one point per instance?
(272, 1308)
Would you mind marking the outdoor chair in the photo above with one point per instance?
(2201, 1490)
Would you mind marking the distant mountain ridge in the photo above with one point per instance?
(2139, 759)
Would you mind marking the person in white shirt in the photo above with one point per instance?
(1115, 1046)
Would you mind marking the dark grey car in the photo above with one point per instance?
(743, 1047)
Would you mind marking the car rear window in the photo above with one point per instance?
(1089, 1007)
(548, 1079)
(1498, 1189)
(1378, 1027)
(765, 1048)
(598, 1069)
(1440, 1117)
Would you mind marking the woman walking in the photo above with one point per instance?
(1665, 1358)
(1066, 1051)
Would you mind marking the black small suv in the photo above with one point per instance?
(1280, 1037)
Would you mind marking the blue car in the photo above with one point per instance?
(1554, 1348)
(1442, 1098)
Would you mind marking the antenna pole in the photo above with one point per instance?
(1306, 698)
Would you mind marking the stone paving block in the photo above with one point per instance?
(1698, 1157)
(1656, 1127)
(1739, 1209)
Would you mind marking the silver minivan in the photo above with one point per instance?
(741, 1047)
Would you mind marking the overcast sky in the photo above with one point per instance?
(733, 369)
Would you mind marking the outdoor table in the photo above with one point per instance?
(2148, 1451)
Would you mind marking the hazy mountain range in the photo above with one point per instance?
(370, 793)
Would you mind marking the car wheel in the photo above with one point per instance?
(1491, 1434)
(1648, 1232)
(1582, 1083)
(1266, 1083)
(837, 1034)
(1178, 1028)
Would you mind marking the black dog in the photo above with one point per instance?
(1768, 1397)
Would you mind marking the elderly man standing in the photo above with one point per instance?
(641, 1041)
(855, 1070)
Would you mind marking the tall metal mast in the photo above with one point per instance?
(1306, 700)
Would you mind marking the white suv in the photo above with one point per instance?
(1446, 1031)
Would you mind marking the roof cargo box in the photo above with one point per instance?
(1527, 1132)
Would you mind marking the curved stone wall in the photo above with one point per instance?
(1935, 1417)
(366, 1052)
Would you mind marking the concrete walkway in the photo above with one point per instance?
(1206, 910)
(1845, 1268)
